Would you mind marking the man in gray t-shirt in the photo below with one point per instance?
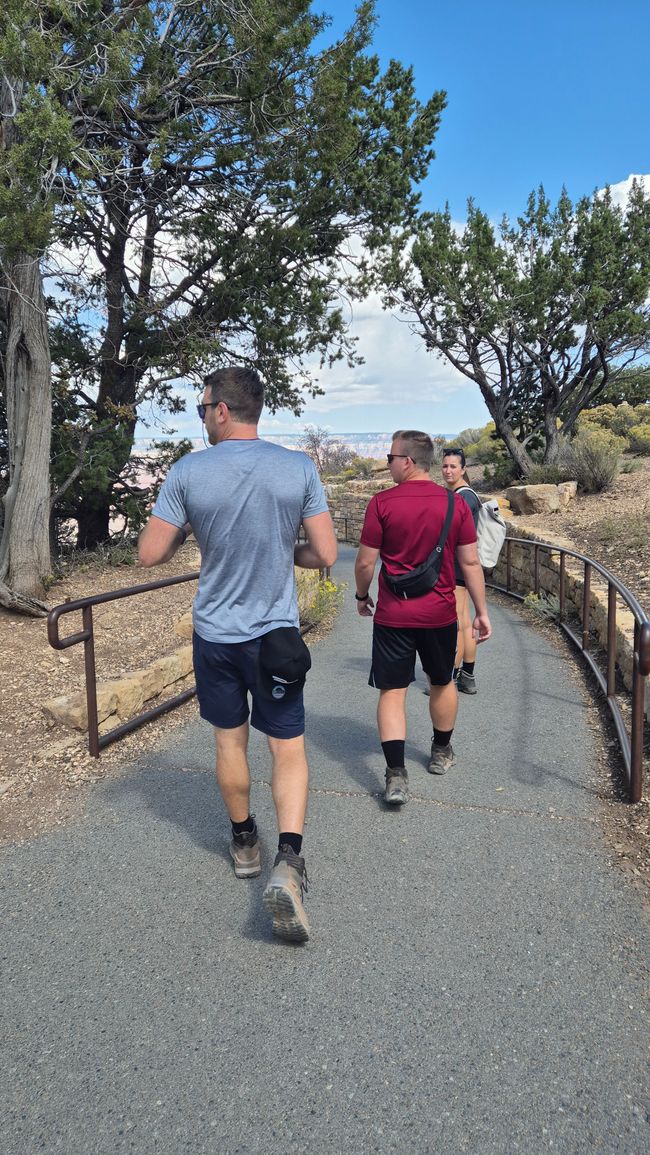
(245, 500)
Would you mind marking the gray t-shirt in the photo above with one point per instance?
(245, 501)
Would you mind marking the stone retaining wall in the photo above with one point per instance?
(522, 580)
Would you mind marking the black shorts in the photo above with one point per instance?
(394, 652)
(226, 673)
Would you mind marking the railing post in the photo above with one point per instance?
(562, 584)
(508, 564)
(536, 569)
(91, 682)
(586, 604)
(611, 640)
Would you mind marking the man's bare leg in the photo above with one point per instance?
(234, 780)
(289, 785)
(289, 782)
(391, 715)
(233, 774)
(443, 708)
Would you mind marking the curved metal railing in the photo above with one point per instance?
(97, 741)
(631, 743)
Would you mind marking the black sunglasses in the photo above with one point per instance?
(202, 407)
(391, 457)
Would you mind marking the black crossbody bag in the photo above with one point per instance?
(421, 580)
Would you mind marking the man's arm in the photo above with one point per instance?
(320, 549)
(159, 541)
(364, 571)
(472, 571)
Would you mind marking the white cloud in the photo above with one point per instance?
(621, 190)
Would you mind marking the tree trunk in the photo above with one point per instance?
(551, 439)
(25, 547)
(518, 453)
(93, 518)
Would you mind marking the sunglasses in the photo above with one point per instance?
(390, 457)
(202, 408)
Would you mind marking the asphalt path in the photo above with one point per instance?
(477, 976)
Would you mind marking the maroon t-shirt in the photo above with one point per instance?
(404, 524)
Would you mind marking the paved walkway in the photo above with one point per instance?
(476, 981)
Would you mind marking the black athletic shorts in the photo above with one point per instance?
(394, 652)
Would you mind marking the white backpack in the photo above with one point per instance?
(490, 531)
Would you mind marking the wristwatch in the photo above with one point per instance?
(360, 598)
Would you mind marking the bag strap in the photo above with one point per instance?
(461, 487)
(445, 529)
(451, 505)
(448, 520)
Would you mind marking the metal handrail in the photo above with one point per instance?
(631, 744)
(97, 742)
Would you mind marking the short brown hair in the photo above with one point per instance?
(242, 391)
(418, 445)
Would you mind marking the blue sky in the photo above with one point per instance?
(549, 92)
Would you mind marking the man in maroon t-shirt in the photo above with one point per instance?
(402, 526)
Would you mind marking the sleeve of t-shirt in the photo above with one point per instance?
(372, 533)
(315, 500)
(170, 503)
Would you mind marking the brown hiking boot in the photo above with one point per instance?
(442, 759)
(245, 854)
(466, 683)
(397, 786)
(283, 896)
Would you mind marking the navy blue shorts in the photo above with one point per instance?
(394, 652)
(226, 673)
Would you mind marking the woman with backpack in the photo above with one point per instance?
(456, 479)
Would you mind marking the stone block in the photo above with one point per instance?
(70, 709)
(567, 491)
(533, 498)
(183, 627)
(174, 666)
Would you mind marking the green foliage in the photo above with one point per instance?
(468, 437)
(631, 533)
(547, 605)
(530, 311)
(439, 446)
(619, 419)
(323, 600)
(203, 167)
(502, 473)
(631, 386)
(360, 468)
(593, 458)
(487, 447)
(550, 474)
(639, 438)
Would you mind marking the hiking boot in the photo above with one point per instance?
(397, 787)
(442, 759)
(466, 683)
(245, 853)
(283, 896)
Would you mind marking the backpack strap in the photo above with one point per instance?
(461, 487)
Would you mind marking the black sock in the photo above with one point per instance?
(246, 827)
(394, 753)
(292, 840)
(468, 667)
(441, 737)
